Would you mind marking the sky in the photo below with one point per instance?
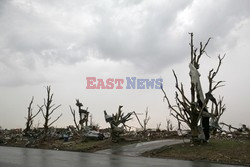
(61, 42)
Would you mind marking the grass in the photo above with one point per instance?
(217, 150)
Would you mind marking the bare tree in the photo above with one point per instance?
(30, 117)
(194, 110)
(90, 120)
(146, 119)
(84, 114)
(37, 125)
(77, 125)
(158, 125)
(117, 123)
(217, 112)
(49, 110)
(169, 125)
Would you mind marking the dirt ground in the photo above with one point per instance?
(228, 151)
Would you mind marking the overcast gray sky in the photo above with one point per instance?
(61, 42)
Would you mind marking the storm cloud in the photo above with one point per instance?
(61, 42)
(152, 35)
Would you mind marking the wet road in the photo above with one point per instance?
(139, 148)
(24, 157)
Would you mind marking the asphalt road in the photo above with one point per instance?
(24, 157)
(139, 148)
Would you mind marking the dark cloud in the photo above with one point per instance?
(150, 34)
(141, 36)
(217, 19)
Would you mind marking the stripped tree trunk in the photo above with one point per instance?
(194, 110)
(49, 109)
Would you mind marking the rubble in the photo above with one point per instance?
(233, 132)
